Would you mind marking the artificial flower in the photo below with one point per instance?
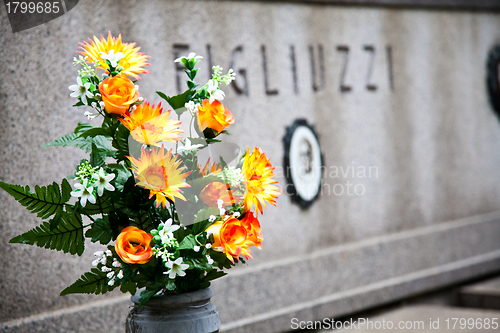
(213, 170)
(214, 91)
(150, 125)
(254, 235)
(191, 56)
(112, 57)
(160, 173)
(259, 184)
(188, 146)
(176, 268)
(103, 181)
(118, 94)
(81, 90)
(84, 191)
(166, 231)
(133, 246)
(133, 61)
(230, 237)
(215, 191)
(213, 118)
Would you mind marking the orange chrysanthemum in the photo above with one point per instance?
(231, 238)
(259, 188)
(214, 191)
(133, 61)
(150, 125)
(214, 169)
(160, 173)
(133, 246)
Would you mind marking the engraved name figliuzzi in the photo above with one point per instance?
(317, 67)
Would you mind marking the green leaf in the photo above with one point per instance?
(93, 132)
(148, 293)
(45, 201)
(177, 102)
(97, 156)
(73, 139)
(120, 143)
(214, 274)
(66, 237)
(100, 231)
(102, 205)
(94, 282)
(187, 243)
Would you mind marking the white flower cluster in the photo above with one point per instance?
(85, 189)
(232, 176)
(114, 272)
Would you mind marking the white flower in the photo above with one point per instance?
(188, 146)
(110, 275)
(210, 260)
(222, 211)
(167, 232)
(111, 282)
(105, 269)
(196, 248)
(99, 253)
(120, 275)
(220, 202)
(176, 268)
(112, 57)
(214, 91)
(102, 181)
(95, 262)
(208, 245)
(109, 253)
(211, 218)
(84, 192)
(191, 55)
(116, 263)
(81, 90)
(91, 115)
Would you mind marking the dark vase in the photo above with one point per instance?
(184, 313)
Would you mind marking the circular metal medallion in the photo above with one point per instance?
(303, 163)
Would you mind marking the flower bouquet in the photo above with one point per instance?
(172, 205)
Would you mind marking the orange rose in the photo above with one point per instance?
(215, 191)
(118, 94)
(213, 118)
(133, 246)
(231, 238)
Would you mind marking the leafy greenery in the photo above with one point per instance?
(94, 282)
(45, 201)
(67, 236)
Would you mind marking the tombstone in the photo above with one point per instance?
(395, 93)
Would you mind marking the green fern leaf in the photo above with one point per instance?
(94, 282)
(45, 201)
(67, 236)
(74, 139)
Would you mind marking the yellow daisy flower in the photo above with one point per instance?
(150, 125)
(159, 172)
(131, 60)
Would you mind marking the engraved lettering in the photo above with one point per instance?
(242, 74)
(344, 49)
(317, 86)
(370, 86)
(294, 69)
(268, 90)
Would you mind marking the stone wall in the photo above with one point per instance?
(398, 92)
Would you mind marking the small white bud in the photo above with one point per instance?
(208, 245)
(196, 248)
(109, 253)
(120, 275)
(111, 282)
(99, 253)
(105, 269)
(110, 275)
